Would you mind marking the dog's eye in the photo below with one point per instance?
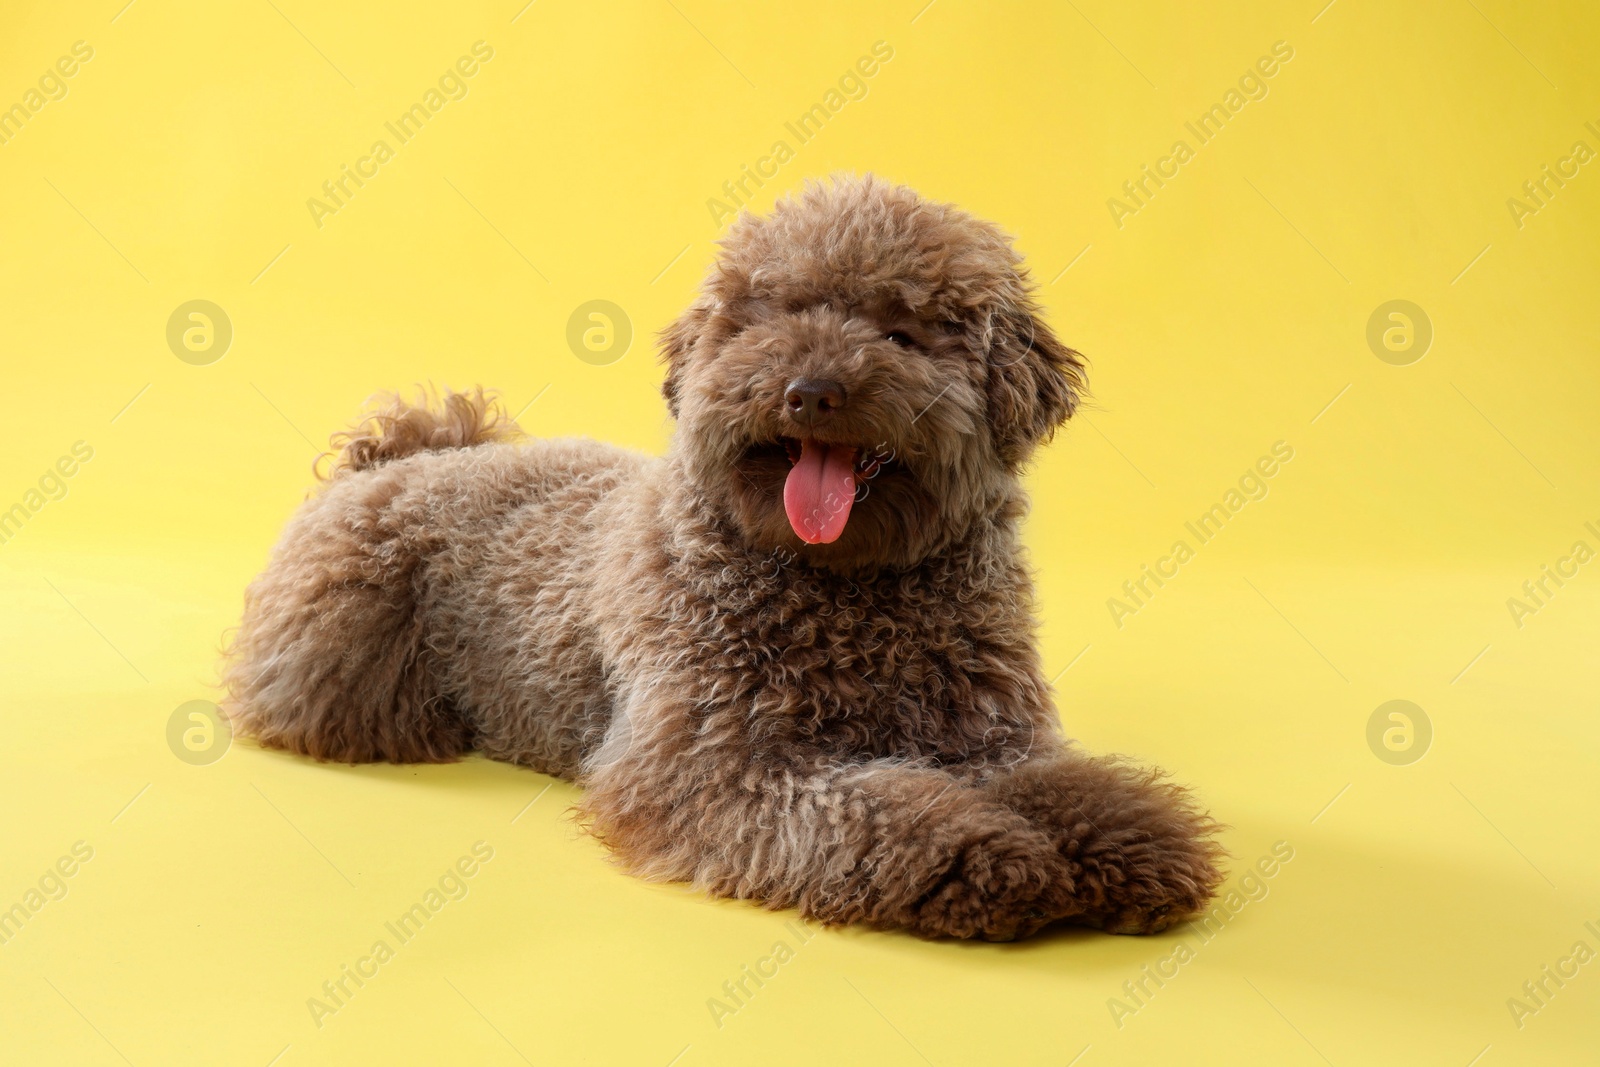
(901, 338)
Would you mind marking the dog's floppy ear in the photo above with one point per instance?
(677, 339)
(1035, 381)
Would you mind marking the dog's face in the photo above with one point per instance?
(863, 376)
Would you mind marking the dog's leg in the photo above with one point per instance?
(336, 656)
(877, 842)
(1140, 852)
(331, 658)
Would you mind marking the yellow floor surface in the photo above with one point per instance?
(1351, 244)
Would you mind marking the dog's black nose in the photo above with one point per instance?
(811, 400)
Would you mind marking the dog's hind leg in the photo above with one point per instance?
(333, 657)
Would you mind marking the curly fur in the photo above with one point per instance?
(395, 427)
(859, 729)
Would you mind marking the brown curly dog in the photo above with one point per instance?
(794, 659)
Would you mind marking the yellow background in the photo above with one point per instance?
(1224, 316)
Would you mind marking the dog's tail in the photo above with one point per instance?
(394, 427)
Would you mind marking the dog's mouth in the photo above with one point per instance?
(825, 480)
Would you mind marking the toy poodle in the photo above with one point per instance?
(793, 660)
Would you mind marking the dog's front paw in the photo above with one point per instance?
(1141, 881)
(1143, 913)
(1141, 855)
(998, 889)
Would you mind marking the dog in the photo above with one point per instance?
(793, 660)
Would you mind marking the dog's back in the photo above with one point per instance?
(395, 605)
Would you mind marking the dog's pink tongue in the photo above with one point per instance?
(819, 491)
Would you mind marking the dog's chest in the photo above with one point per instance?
(906, 668)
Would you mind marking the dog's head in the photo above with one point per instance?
(863, 375)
